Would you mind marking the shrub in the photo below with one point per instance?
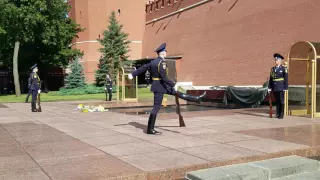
(88, 89)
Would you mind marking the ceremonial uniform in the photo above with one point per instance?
(109, 88)
(278, 83)
(161, 85)
(35, 88)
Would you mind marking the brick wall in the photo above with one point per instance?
(230, 42)
(94, 16)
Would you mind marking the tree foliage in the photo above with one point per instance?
(76, 78)
(114, 51)
(43, 30)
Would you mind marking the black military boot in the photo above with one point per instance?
(151, 123)
(110, 97)
(281, 111)
(33, 107)
(190, 97)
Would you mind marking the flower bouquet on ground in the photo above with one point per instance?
(84, 108)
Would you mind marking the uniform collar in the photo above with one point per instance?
(162, 58)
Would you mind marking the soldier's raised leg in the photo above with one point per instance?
(186, 97)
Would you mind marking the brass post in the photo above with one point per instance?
(118, 79)
(313, 105)
(286, 64)
(307, 86)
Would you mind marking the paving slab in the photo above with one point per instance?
(74, 127)
(220, 152)
(161, 160)
(90, 167)
(34, 174)
(299, 134)
(132, 148)
(226, 137)
(60, 149)
(44, 137)
(183, 142)
(268, 145)
(16, 162)
(11, 149)
(110, 140)
(92, 133)
(164, 135)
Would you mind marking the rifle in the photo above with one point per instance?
(270, 102)
(181, 121)
(270, 105)
(38, 101)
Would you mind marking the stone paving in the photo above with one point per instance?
(63, 144)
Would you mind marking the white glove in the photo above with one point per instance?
(130, 76)
(175, 87)
(269, 90)
(105, 88)
(39, 91)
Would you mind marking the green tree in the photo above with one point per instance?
(101, 73)
(114, 51)
(39, 31)
(76, 78)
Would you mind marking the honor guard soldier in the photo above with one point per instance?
(35, 86)
(161, 85)
(278, 84)
(108, 87)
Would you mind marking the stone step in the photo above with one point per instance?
(260, 170)
(315, 175)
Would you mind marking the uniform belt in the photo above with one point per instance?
(156, 79)
(278, 79)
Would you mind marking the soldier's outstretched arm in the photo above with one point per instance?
(142, 69)
(163, 74)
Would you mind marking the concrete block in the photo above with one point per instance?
(286, 166)
(315, 175)
(232, 172)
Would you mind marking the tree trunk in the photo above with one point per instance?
(15, 69)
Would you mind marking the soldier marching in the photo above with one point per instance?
(161, 85)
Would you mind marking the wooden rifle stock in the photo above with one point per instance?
(39, 105)
(270, 105)
(181, 121)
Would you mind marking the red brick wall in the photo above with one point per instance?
(230, 42)
(94, 16)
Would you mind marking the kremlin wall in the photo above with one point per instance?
(220, 42)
